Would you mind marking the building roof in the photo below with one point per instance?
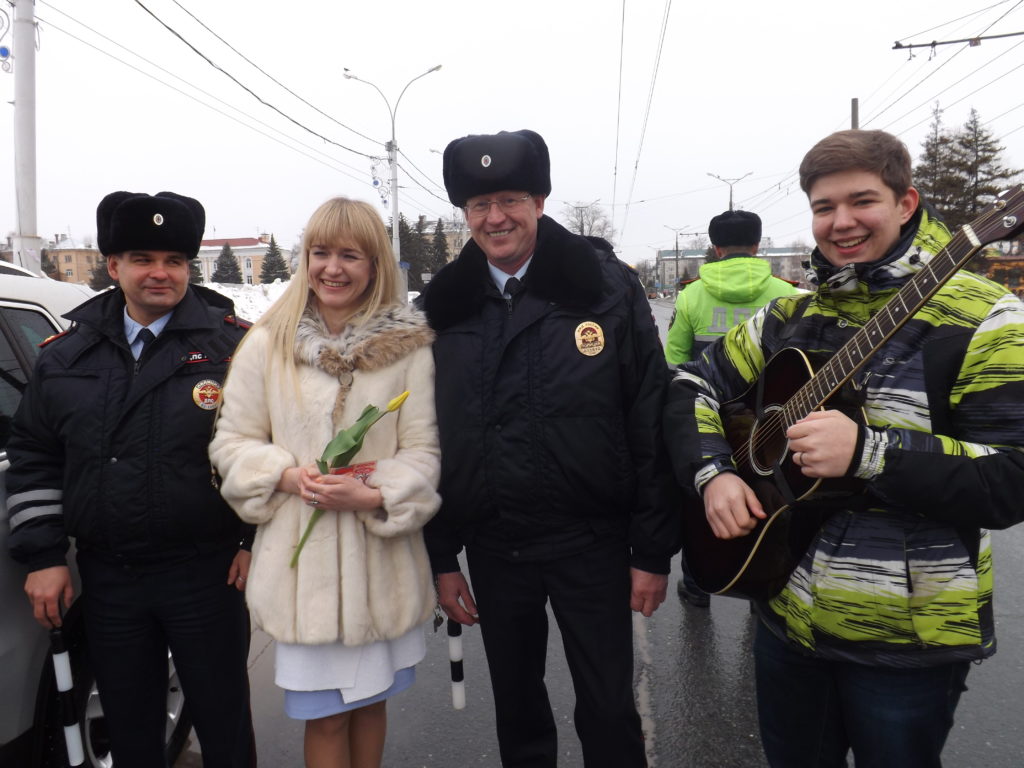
(234, 242)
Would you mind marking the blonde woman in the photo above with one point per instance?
(348, 618)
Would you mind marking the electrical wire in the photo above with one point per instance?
(422, 173)
(618, 107)
(244, 87)
(647, 114)
(274, 80)
(329, 162)
(967, 96)
(938, 68)
(953, 85)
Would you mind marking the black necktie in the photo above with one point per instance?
(147, 338)
(512, 286)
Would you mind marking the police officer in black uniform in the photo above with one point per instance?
(109, 446)
(550, 383)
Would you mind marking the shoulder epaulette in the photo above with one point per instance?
(55, 336)
(236, 320)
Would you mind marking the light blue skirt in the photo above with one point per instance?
(312, 705)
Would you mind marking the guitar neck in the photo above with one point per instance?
(883, 324)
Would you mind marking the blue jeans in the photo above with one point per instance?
(813, 711)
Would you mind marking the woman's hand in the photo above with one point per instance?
(338, 492)
(291, 479)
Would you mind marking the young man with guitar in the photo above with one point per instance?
(852, 447)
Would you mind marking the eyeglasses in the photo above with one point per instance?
(507, 205)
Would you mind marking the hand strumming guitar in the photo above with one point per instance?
(731, 507)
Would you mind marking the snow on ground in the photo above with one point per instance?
(251, 301)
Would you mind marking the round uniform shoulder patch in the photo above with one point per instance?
(206, 394)
(589, 338)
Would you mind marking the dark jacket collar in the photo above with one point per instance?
(566, 270)
(105, 313)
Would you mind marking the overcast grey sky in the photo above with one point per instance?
(741, 87)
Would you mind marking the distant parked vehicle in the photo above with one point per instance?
(31, 735)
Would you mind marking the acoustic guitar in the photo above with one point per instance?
(759, 564)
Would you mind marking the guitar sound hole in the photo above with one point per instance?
(768, 442)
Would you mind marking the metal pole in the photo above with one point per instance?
(392, 149)
(730, 182)
(854, 113)
(27, 243)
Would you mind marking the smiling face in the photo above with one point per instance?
(856, 217)
(339, 276)
(154, 282)
(507, 232)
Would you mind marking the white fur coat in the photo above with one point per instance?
(362, 576)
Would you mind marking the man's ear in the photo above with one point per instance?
(113, 262)
(908, 204)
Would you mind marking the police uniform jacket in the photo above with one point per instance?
(113, 452)
(549, 408)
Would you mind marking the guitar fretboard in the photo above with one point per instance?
(882, 325)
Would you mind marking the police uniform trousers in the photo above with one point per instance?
(589, 594)
(134, 612)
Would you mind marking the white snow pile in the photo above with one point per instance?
(251, 301)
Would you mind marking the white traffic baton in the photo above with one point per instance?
(455, 657)
(65, 689)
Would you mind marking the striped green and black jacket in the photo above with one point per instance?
(901, 573)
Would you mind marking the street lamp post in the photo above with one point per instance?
(392, 149)
(730, 182)
(676, 230)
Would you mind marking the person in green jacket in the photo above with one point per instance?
(728, 293)
(729, 290)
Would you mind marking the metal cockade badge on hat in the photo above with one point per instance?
(158, 219)
(485, 161)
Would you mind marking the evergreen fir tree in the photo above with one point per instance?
(934, 176)
(226, 270)
(960, 172)
(274, 265)
(438, 252)
(981, 165)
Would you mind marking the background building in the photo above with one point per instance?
(249, 251)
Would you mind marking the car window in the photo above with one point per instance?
(24, 328)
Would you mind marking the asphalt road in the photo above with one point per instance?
(693, 687)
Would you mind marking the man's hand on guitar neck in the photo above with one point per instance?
(822, 444)
(731, 507)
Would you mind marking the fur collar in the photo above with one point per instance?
(380, 341)
(566, 269)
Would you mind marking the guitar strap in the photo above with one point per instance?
(789, 327)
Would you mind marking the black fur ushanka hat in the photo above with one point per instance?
(735, 228)
(479, 164)
(136, 221)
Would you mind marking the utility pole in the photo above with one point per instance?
(730, 182)
(28, 245)
(854, 113)
(391, 147)
(579, 213)
(676, 230)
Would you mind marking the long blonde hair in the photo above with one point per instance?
(339, 221)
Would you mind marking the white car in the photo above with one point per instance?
(31, 733)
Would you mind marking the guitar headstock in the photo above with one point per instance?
(1003, 219)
